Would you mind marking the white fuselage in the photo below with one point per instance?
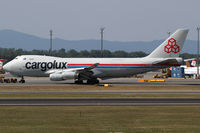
(35, 65)
(191, 70)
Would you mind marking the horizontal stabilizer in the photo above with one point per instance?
(169, 61)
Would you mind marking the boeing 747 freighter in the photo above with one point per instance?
(92, 69)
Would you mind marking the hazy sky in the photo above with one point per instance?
(125, 20)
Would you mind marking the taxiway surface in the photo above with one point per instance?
(150, 92)
(113, 81)
(102, 102)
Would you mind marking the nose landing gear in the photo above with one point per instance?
(22, 80)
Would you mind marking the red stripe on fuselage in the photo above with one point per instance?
(125, 65)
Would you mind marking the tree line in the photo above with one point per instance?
(10, 53)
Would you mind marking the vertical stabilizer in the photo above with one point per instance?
(194, 63)
(187, 63)
(172, 46)
(1, 64)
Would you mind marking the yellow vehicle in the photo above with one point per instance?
(8, 80)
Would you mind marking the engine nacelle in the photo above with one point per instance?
(63, 76)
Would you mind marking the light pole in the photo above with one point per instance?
(169, 33)
(198, 28)
(51, 42)
(102, 29)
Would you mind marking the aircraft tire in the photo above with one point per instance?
(22, 81)
(78, 82)
(92, 81)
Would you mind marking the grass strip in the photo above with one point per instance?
(98, 119)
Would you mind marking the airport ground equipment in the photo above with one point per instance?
(2, 72)
(155, 80)
(8, 80)
(163, 76)
(166, 73)
(177, 72)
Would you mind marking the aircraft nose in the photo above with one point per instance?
(6, 67)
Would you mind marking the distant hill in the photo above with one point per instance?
(14, 39)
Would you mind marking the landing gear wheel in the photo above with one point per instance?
(22, 80)
(92, 81)
(79, 82)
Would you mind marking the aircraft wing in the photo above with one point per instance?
(78, 70)
(89, 68)
(168, 61)
(72, 73)
(190, 59)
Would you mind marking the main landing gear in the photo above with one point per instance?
(89, 81)
(92, 81)
(79, 82)
(22, 80)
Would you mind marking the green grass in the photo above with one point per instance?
(100, 119)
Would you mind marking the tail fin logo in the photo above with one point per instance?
(172, 47)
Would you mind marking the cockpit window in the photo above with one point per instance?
(16, 58)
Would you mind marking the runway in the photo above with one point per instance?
(114, 81)
(102, 102)
(150, 92)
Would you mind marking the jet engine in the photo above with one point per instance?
(63, 76)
